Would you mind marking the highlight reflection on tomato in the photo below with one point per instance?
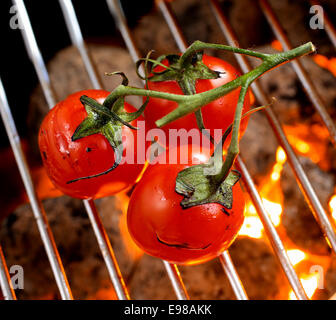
(66, 160)
(162, 228)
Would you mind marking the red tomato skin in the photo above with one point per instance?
(218, 114)
(155, 211)
(65, 160)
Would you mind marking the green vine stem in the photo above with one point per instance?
(217, 185)
(191, 103)
(199, 184)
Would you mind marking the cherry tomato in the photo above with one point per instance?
(162, 228)
(67, 160)
(218, 114)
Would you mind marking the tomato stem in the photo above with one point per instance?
(233, 149)
(191, 103)
(199, 46)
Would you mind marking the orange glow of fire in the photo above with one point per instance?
(317, 148)
(296, 256)
(133, 250)
(310, 283)
(332, 206)
(324, 62)
(104, 294)
(271, 195)
(276, 44)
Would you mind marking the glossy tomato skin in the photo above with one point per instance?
(218, 114)
(162, 228)
(66, 160)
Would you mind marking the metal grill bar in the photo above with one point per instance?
(306, 187)
(120, 21)
(42, 72)
(119, 18)
(225, 258)
(107, 251)
(5, 281)
(101, 235)
(78, 41)
(176, 280)
(38, 211)
(300, 71)
(232, 275)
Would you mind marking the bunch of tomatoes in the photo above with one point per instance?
(156, 220)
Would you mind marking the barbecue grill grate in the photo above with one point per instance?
(100, 233)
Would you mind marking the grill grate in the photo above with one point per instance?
(100, 233)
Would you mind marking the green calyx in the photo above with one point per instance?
(101, 119)
(199, 186)
(181, 69)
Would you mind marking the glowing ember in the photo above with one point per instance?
(274, 210)
(296, 256)
(326, 63)
(252, 227)
(310, 141)
(271, 194)
(310, 284)
(332, 205)
(133, 250)
(276, 44)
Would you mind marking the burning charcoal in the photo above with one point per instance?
(68, 75)
(77, 245)
(240, 13)
(258, 269)
(150, 280)
(253, 259)
(258, 146)
(255, 264)
(297, 218)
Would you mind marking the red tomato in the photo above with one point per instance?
(66, 160)
(162, 228)
(218, 114)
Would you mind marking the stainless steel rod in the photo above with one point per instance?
(107, 251)
(100, 233)
(182, 45)
(119, 18)
(300, 71)
(306, 187)
(78, 41)
(38, 211)
(233, 276)
(174, 276)
(5, 280)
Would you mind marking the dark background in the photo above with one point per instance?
(16, 70)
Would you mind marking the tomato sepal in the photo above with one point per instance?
(186, 74)
(103, 121)
(199, 186)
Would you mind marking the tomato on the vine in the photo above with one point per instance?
(162, 228)
(218, 114)
(66, 160)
